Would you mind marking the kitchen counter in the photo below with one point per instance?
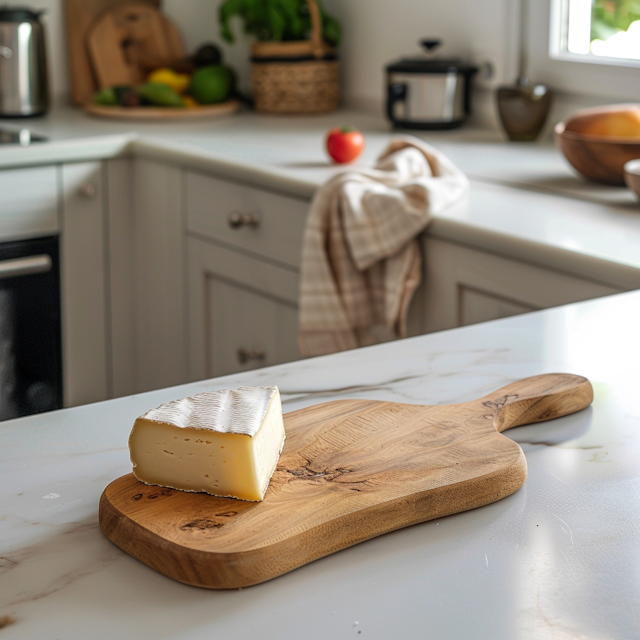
(560, 558)
(525, 202)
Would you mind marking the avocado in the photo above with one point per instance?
(207, 55)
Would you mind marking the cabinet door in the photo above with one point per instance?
(160, 312)
(479, 306)
(246, 329)
(120, 185)
(84, 334)
(242, 312)
(464, 286)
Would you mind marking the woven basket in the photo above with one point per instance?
(296, 77)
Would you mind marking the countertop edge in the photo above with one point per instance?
(547, 256)
(106, 147)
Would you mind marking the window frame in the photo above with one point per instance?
(571, 72)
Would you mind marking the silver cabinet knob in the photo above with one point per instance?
(239, 220)
(88, 190)
(6, 53)
(250, 355)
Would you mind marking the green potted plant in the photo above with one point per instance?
(294, 63)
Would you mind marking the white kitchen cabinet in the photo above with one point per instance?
(465, 286)
(86, 364)
(170, 275)
(121, 312)
(480, 306)
(159, 263)
(252, 220)
(242, 311)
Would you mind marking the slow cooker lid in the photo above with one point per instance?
(433, 65)
(19, 14)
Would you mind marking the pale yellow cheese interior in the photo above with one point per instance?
(232, 465)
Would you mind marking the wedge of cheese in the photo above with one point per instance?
(226, 443)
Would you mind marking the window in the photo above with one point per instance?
(598, 31)
(602, 78)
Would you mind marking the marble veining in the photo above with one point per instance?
(558, 559)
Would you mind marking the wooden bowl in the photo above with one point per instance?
(632, 176)
(597, 158)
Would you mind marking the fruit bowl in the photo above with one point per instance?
(596, 156)
(632, 176)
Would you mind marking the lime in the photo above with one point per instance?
(211, 84)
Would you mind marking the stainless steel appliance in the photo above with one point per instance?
(30, 328)
(429, 92)
(24, 85)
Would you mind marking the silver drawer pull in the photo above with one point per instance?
(25, 266)
(247, 355)
(238, 220)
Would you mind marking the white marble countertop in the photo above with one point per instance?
(525, 200)
(560, 558)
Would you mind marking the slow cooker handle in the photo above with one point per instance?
(396, 92)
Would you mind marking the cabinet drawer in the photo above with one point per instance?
(29, 202)
(266, 224)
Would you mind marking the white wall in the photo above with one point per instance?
(380, 31)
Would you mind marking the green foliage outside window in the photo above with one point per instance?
(611, 16)
(276, 20)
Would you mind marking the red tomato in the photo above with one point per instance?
(345, 144)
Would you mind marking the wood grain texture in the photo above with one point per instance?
(350, 470)
(127, 42)
(163, 113)
(80, 16)
(597, 158)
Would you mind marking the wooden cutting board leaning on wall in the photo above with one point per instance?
(80, 16)
(127, 42)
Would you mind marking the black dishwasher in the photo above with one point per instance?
(30, 327)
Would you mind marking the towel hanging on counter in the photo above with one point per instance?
(361, 260)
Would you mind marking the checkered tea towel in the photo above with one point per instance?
(361, 260)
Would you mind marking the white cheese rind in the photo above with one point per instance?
(226, 411)
(211, 445)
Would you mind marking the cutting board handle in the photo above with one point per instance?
(538, 399)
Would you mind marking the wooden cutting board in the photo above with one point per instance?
(80, 17)
(350, 470)
(127, 42)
